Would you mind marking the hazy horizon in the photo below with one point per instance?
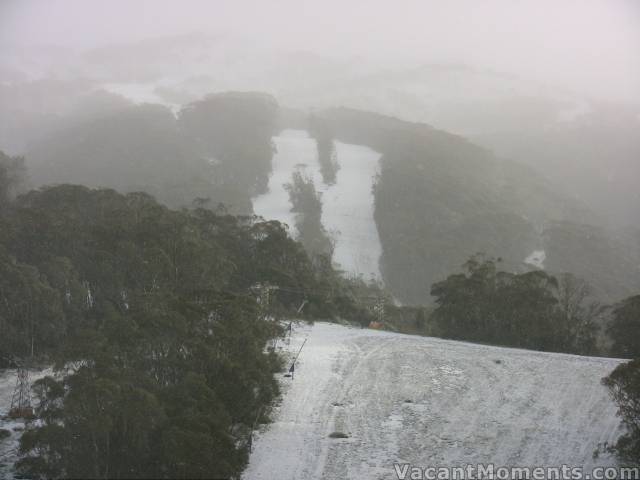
(591, 48)
(192, 191)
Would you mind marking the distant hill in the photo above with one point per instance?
(217, 149)
(438, 197)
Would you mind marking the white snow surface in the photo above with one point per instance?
(347, 211)
(430, 402)
(347, 205)
(294, 148)
(536, 259)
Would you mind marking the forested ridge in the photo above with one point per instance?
(440, 198)
(532, 310)
(148, 312)
(148, 316)
(428, 214)
(217, 148)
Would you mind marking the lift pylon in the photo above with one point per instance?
(21, 399)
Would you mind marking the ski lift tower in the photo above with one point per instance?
(21, 399)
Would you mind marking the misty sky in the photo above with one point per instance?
(592, 47)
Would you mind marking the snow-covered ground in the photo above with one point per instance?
(347, 205)
(347, 211)
(9, 445)
(536, 259)
(430, 402)
(294, 149)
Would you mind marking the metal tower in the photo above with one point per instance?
(21, 399)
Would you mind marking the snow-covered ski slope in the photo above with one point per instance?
(430, 402)
(294, 149)
(347, 205)
(347, 211)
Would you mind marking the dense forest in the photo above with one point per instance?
(307, 205)
(624, 386)
(148, 315)
(149, 305)
(538, 311)
(531, 310)
(319, 240)
(218, 148)
(440, 198)
(329, 166)
(624, 381)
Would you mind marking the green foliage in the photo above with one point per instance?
(158, 342)
(408, 319)
(218, 149)
(581, 314)
(608, 261)
(234, 130)
(519, 310)
(12, 177)
(329, 166)
(624, 386)
(160, 393)
(31, 315)
(428, 226)
(307, 204)
(130, 149)
(440, 198)
(625, 328)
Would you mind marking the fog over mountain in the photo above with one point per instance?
(533, 39)
(184, 183)
(534, 81)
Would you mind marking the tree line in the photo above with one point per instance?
(532, 310)
(159, 345)
(624, 382)
(539, 311)
(148, 316)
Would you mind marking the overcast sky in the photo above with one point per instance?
(590, 46)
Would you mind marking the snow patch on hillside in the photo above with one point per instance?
(347, 205)
(348, 208)
(536, 259)
(428, 402)
(294, 148)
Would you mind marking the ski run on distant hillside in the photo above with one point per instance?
(347, 212)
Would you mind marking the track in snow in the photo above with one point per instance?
(347, 206)
(430, 402)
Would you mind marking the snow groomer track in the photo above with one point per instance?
(430, 402)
